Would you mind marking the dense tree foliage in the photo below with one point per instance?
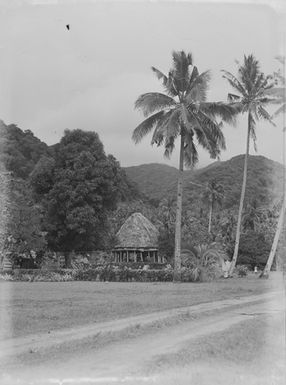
(253, 250)
(78, 188)
(75, 187)
(24, 224)
(20, 150)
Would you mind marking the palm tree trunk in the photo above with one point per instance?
(177, 257)
(238, 228)
(210, 217)
(269, 263)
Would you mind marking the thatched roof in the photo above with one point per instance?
(137, 232)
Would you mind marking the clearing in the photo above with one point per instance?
(35, 307)
(243, 342)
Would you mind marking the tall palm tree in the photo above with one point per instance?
(252, 86)
(182, 112)
(280, 92)
(213, 195)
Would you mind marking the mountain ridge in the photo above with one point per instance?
(264, 182)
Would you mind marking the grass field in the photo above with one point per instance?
(252, 352)
(28, 308)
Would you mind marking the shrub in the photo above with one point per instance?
(241, 270)
(6, 277)
(201, 263)
(86, 274)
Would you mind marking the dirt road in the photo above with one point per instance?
(130, 359)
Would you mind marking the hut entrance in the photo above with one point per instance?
(145, 256)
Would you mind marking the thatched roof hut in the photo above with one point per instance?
(137, 232)
(137, 239)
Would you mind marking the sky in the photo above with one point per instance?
(89, 76)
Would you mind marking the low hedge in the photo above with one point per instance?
(106, 273)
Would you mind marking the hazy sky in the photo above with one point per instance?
(89, 77)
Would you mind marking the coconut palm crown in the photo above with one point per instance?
(182, 111)
(253, 89)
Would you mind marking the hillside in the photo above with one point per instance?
(153, 180)
(264, 180)
(20, 150)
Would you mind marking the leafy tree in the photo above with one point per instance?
(253, 249)
(167, 216)
(252, 86)
(166, 243)
(86, 185)
(24, 224)
(167, 213)
(126, 189)
(42, 176)
(195, 229)
(182, 112)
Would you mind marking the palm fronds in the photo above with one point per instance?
(198, 86)
(234, 82)
(160, 75)
(226, 111)
(191, 156)
(153, 101)
(265, 115)
(146, 126)
(181, 63)
(168, 126)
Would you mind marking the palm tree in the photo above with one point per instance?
(203, 259)
(252, 86)
(272, 253)
(182, 112)
(213, 195)
(280, 92)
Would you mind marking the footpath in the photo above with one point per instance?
(114, 329)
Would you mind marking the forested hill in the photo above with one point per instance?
(20, 150)
(264, 181)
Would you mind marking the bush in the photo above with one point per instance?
(241, 270)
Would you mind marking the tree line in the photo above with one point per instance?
(62, 196)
